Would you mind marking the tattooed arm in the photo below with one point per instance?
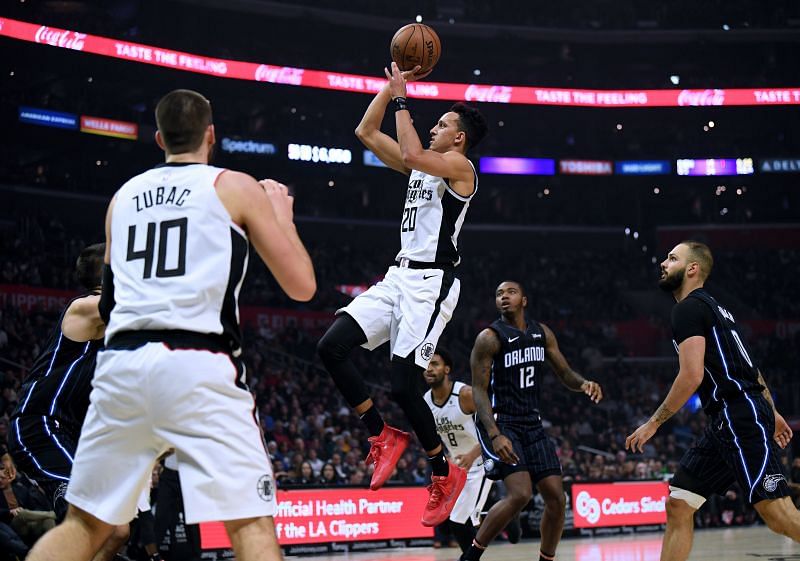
(487, 345)
(691, 355)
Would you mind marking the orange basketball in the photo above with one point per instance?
(415, 44)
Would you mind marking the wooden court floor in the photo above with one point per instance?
(731, 544)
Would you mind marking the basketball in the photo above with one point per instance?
(415, 44)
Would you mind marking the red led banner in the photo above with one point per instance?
(67, 39)
(339, 515)
(619, 504)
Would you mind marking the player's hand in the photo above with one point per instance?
(783, 432)
(282, 201)
(503, 448)
(593, 390)
(465, 461)
(636, 441)
(397, 80)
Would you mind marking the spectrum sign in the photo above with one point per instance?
(715, 166)
(339, 515)
(619, 504)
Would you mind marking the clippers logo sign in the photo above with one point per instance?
(619, 504)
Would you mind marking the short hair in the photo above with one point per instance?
(445, 355)
(472, 122)
(89, 266)
(519, 284)
(182, 117)
(700, 253)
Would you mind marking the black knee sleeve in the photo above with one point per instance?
(405, 378)
(334, 349)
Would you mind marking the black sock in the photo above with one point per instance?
(543, 558)
(473, 553)
(439, 464)
(463, 533)
(373, 420)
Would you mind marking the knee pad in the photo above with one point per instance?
(692, 499)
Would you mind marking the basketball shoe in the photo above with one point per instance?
(444, 491)
(385, 450)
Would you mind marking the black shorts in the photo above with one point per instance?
(536, 452)
(737, 445)
(43, 449)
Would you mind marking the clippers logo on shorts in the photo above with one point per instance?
(265, 487)
(427, 351)
(771, 482)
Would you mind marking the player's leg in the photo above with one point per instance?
(253, 539)
(465, 516)
(519, 489)
(364, 322)
(781, 516)
(78, 538)
(119, 536)
(552, 490)
(679, 534)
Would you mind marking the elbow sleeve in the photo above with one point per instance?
(107, 295)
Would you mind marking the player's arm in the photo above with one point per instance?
(82, 321)
(783, 432)
(571, 379)
(381, 144)
(691, 353)
(265, 211)
(451, 165)
(106, 302)
(487, 345)
(466, 400)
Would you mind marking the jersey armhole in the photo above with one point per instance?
(239, 229)
(458, 396)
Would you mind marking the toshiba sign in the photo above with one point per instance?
(619, 504)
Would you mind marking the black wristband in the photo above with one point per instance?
(495, 436)
(400, 104)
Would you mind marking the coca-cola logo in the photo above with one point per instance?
(491, 94)
(60, 38)
(701, 97)
(279, 74)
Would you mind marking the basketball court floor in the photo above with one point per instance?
(731, 544)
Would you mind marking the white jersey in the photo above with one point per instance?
(432, 219)
(178, 258)
(456, 428)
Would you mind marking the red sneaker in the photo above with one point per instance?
(444, 491)
(385, 450)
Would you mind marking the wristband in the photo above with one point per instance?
(400, 104)
(495, 436)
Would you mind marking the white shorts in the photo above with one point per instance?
(409, 308)
(470, 502)
(150, 399)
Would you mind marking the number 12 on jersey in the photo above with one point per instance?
(148, 253)
(526, 377)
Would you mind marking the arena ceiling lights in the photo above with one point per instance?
(524, 95)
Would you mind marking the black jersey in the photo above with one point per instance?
(516, 372)
(729, 368)
(60, 379)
